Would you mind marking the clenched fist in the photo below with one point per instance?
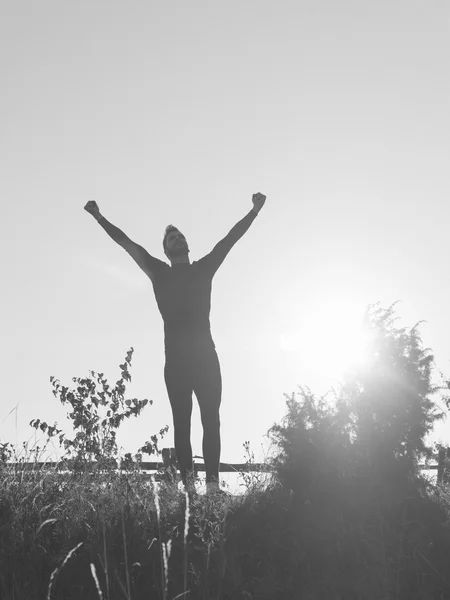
(92, 208)
(258, 201)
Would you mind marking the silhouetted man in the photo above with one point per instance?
(183, 295)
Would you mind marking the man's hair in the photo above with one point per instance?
(169, 229)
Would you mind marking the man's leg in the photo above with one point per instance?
(208, 390)
(179, 389)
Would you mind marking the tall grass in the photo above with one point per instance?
(114, 535)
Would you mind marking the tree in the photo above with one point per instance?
(376, 423)
(359, 515)
(389, 396)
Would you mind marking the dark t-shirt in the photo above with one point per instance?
(183, 292)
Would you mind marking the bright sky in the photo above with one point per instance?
(177, 113)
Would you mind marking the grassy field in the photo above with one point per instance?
(111, 535)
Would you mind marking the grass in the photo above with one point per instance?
(115, 536)
(109, 535)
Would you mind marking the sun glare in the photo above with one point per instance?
(328, 340)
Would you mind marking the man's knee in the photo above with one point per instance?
(210, 419)
(182, 426)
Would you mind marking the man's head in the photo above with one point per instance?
(175, 244)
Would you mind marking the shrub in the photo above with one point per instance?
(365, 523)
(95, 433)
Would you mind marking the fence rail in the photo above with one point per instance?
(169, 460)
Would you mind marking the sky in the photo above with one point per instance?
(177, 113)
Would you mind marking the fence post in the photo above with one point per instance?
(441, 464)
(169, 457)
(170, 464)
(446, 473)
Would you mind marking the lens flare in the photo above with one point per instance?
(328, 341)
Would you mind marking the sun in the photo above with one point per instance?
(328, 339)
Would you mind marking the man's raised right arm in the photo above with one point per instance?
(147, 263)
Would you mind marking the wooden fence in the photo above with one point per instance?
(169, 460)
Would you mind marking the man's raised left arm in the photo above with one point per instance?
(215, 258)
